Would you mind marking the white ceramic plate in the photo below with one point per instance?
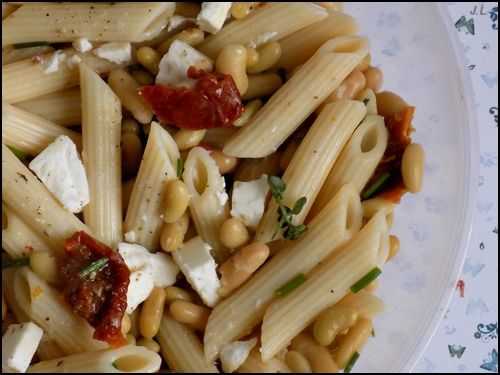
(416, 47)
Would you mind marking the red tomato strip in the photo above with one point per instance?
(100, 298)
(213, 102)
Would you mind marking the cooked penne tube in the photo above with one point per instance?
(358, 160)
(302, 44)
(313, 161)
(62, 107)
(244, 309)
(11, 55)
(209, 200)
(44, 306)
(130, 22)
(34, 204)
(269, 23)
(325, 286)
(181, 348)
(254, 365)
(218, 137)
(125, 359)
(48, 349)
(18, 239)
(31, 133)
(101, 133)
(298, 98)
(26, 79)
(143, 221)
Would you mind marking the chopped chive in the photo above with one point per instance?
(375, 187)
(291, 285)
(95, 266)
(21, 155)
(30, 45)
(21, 262)
(366, 280)
(351, 363)
(180, 167)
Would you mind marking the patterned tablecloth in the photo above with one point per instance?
(467, 339)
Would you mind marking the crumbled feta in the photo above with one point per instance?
(62, 172)
(177, 21)
(130, 236)
(148, 270)
(234, 354)
(175, 63)
(196, 263)
(213, 15)
(19, 344)
(82, 45)
(249, 199)
(262, 39)
(116, 52)
(52, 64)
(73, 60)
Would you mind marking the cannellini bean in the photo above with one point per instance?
(240, 266)
(233, 233)
(131, 154)
(149, 344)
(186, 138)
(374, 78)
(192, 36)
(151, 313)
(251, 109)
(352, 342)
(269, 54)
(389, 103)
(176, 200)
(241, 10)
(252, 57)
(318, 356)
(331, 322)
(225, 163)
(172, 234)
(149, 58)
(297, 362)
(263, 84)
(173, 293)
(232, 60)
(352, 86)
(412, 167)
(142, 77)
(193, 315)
(394, 245)
(126, 324)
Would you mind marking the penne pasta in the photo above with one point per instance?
(34, 204)
(358, 160)
(31, 133)
(243, 310)
(181, 348)
(269, 23)
(62, 107)
(44, 306)
(255, 365)
(298, 98)
(143, 221)
(218, 137)
(100, 22)
(209, 200)
(302, 44)
(11, 55)
(18, 239)
(128, 358)
(313, 161)
(26, 79)
(326, 285)
(48, 349)
(101, 133)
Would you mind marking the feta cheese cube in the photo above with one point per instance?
(52, 64)
(248, 200)
(213, 15)
(196, 263)
(62, 172)
(136, 257)
(19, 344)
(116, 52)
(234, 354)
(164, 270)
(139, 288)
(82, 45)
(175, 63)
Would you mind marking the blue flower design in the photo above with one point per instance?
(491, 364)
(486, 332)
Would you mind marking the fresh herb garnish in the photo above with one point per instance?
(94, 267)
(285, 214)
(366, 101)
(9, 262)
(30, 45)
(366, 280)
(351, 363)
(291, 285)
(376, 186)
(180, 167)
(114, 365)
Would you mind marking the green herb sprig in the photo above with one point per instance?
(93, 267)
(180, 167)
(8, 262)
(351, 363)
(285, 213)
